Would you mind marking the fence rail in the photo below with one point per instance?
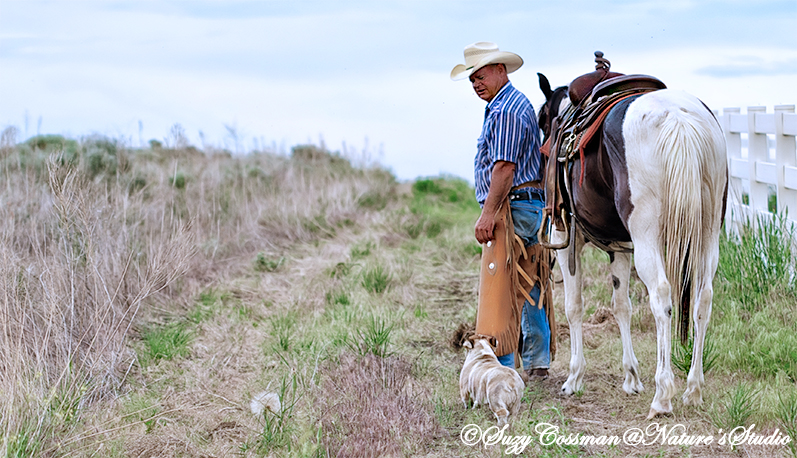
(762, 161)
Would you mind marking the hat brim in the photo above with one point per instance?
(511, 60)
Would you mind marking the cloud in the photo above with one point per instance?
(285, 72)
(751, 66)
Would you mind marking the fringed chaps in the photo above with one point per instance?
(508, 273)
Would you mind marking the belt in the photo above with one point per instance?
(527, 194)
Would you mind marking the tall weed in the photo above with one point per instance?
(760, 261)
(74, 276)
(92, 233)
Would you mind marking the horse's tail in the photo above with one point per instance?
(692, 147)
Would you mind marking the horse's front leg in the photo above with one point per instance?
(621, 309)
(573, 310)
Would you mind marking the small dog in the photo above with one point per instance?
(484, 380)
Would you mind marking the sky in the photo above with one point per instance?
(367, 79)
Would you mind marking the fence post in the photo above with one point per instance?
(757, 151)
(733, 144)
(786, 160)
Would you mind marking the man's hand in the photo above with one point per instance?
(500, 184)
(485, 227)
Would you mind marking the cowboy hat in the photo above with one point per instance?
(482, 54)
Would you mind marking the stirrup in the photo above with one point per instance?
(543, 235)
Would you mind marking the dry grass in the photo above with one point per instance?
(372, 406)
(89, 250)
(330, 285)
(74, 277)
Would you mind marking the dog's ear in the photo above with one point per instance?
(468, 344)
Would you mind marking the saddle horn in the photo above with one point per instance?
(601, 63)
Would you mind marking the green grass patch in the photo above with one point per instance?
(373, 337)
(166, 341)
(208, 304)
(439, 204)
(263, 263)
(682, 354)
(338, 297)
(282, 329)
(737, 406)
(786, 414)
(361, 251)
(376, 279)
(759, 262)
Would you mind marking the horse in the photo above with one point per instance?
(654, 181)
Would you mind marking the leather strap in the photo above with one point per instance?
(529, 184)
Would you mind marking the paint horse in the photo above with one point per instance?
(653, 180)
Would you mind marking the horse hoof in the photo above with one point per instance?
(693, 398)
(654, 413)
(633, 388)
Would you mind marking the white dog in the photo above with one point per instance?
(484, 380)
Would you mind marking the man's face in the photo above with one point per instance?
(487, 81)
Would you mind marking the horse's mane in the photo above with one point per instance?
(550, 110)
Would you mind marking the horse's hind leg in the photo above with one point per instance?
(694, 381)
(648, 259)
(573, 310)
(701, 315)
(621, 308)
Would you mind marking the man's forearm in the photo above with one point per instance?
(500, 184)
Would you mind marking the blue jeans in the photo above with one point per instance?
(535, 333)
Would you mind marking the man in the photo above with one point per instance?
(508, 164)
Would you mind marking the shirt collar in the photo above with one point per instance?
(496, 101)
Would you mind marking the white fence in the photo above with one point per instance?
(762, 160)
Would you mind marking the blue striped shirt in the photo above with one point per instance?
(509, 133)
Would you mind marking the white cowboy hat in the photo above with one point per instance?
(480, 55)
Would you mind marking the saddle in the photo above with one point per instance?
(592, 97)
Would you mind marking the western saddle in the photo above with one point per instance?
(592, 97)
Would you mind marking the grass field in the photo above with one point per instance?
(149, 295)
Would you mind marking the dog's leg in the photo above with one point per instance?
(464, 394)
(621, 309)
(498, 406)
(502, 415)
(573, 310)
